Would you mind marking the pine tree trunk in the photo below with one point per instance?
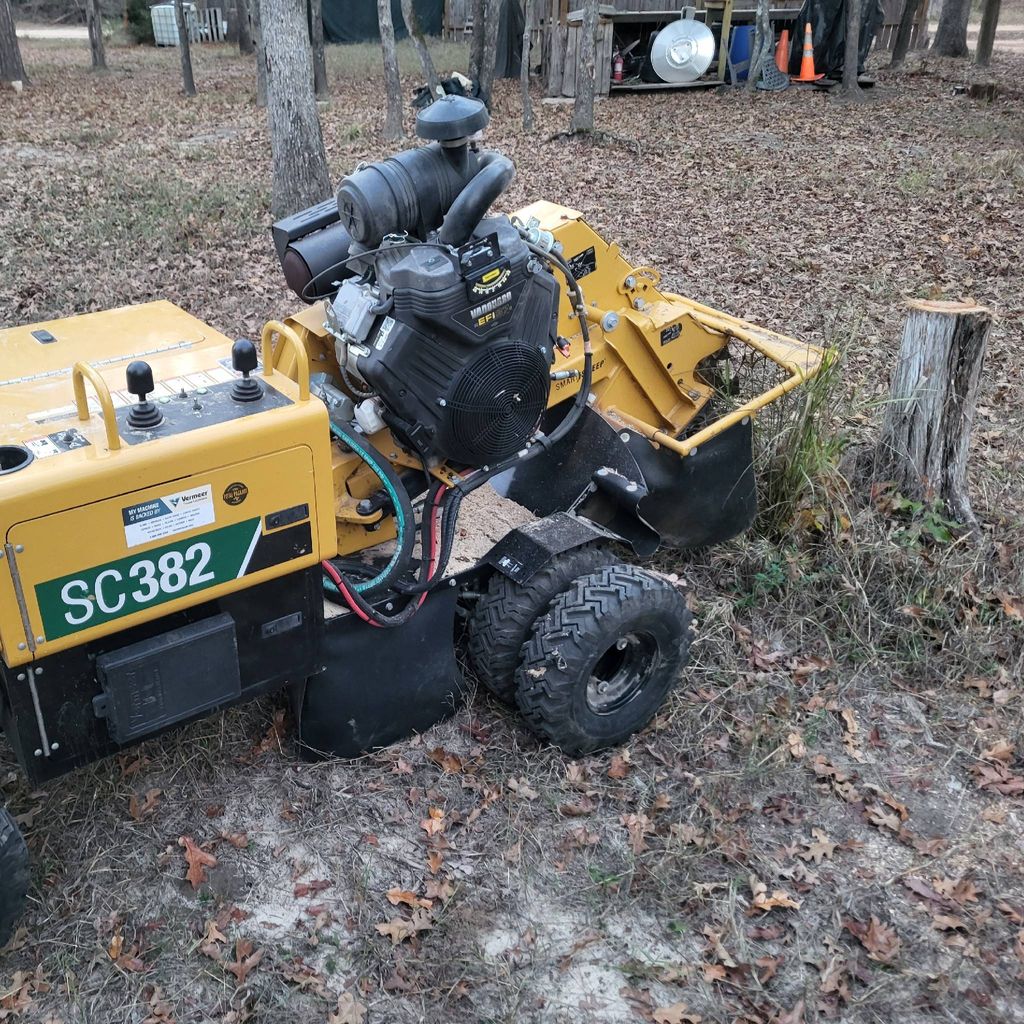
(300, 177)
(392, 80)
(951, 35)
(261, 55)
(492, 21)
(95, 25)
(478, 13)
(245, 40)
(188, 83)
(11, 68)
(851, 50)
(987, 33)
(412, 26)
(926, 432)
(586, 76)
(316, 42)
(903, 33)
(530, 7)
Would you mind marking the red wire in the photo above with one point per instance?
(346, 594)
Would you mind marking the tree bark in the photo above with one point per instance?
(586, 76)
(187, 81)
(232, 16)
(926, 432)
(478, 12)
(530, 7)
(315, 12)
(903, 33)
(246, 44)
(951, 35)
(987, 33)
(851, 50)
(492, 21)
(412, 26)
(392, 80)
(95, 25)
(763, 46)
(11, 67)
(261, 55)
(300, 177)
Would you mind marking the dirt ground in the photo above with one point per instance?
(824, 823)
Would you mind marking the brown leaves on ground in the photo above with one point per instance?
(197, 859)
(448, 762)
(993, 773)
(818, 849)
(247, 957)
(677, 1013)
(348, 1011)
(17, 997)
(400, 928)
(881, 941)
(314, 888)
(763, 902)
(140, 809)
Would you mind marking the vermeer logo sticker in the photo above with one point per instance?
(168, 515)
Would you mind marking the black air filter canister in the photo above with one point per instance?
(408, 192)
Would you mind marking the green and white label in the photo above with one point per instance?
(129, 585)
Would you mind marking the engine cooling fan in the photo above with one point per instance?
(495, 403)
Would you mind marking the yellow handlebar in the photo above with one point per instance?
(79, 373)
(298, 350)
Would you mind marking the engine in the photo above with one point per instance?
(451, 348)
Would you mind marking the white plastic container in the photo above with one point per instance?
(165, 27)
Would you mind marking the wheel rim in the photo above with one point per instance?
(621, 672)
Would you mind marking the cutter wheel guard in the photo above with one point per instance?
(189, 521)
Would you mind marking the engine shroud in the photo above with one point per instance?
(462, 361)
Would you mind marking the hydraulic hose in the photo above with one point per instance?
(400, 501)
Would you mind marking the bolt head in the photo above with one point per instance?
(19, 548)
(38, 752)
(40, 640)
(22, 646)
(21, 677)
(55, 746)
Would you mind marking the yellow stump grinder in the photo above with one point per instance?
(189, 521)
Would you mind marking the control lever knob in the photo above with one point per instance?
(244, 359)
(143, 415)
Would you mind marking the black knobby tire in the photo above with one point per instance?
(15, 876)
(505, 615)
(599, 664)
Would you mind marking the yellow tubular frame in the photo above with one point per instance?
(773, 350)
(298, 350)
(80, 372)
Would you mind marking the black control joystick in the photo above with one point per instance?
(244, 360)
(143, 415)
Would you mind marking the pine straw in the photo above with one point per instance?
(117, 190)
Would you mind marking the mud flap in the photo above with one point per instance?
(380, 685)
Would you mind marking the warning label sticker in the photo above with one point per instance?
(54, 444)
(168, 515)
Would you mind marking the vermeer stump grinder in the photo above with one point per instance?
(190, 521)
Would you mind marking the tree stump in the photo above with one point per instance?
(927, 427)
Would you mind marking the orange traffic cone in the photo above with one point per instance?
(782, 52)
(807, 64)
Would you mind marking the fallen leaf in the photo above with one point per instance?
(638, 826)
(434, 823)
(397, 930)
(448, 762)
(314, 888)
(410, 899)
(521, 788)
(198, 861)
(820, 848)
(764, 902)
(349, 1010)
(1001, 750)
(246, 959)
(140, 809)
(239, 840)
(881, 941)
(1013, 606)
(677, 1013)
(620, 766)
(797, 748)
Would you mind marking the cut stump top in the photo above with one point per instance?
(946, 306)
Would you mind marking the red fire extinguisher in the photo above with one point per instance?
(617, 67)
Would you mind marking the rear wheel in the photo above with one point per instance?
(599, 664)
(505, 615)
(15, 876)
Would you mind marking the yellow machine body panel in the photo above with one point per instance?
(109, 527)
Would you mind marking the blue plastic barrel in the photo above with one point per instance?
(741, 44)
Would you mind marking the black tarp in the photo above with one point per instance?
(828, 32)
(355, 21)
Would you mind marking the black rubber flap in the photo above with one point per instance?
(154, 683)
(381, 685)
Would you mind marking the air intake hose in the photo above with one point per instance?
(495, 175)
